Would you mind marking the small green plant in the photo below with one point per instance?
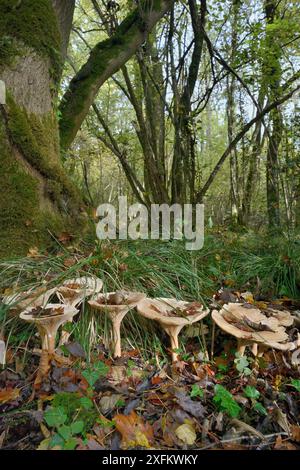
(242, 364)
(296, 384)
(225, 401)
(94, 372)
(254, 394)
(130, 366)
(65, 435)
(251, 392)
(70, 416)
(196, 391)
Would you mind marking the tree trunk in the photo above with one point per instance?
(272, 69)
(36, 195)
(231, 120)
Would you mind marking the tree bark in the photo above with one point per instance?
(272, 69)
(36, 194)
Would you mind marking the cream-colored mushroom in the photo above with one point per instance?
(252, 328)
(73, 292)
(172, 315)
(47, 320)
(35, 297)
(116, 305)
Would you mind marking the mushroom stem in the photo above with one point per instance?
(262, 348)
(254, 349)
(173, 332)
(116, 326)
(241, 346)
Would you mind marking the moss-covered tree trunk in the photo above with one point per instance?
(36, 195)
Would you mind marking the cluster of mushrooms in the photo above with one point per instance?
(259, 330)
(252, 327)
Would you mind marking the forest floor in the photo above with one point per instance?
(211, 398)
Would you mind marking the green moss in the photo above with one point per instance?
(80, 87)
(33, 23)
(37, 139)
(19, 204)
(31, 208)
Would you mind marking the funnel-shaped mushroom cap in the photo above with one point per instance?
(171, 312)
(73, 291)
(49, 316)
(27, 299)
(251, 325)
(284, 317)
(116, 303)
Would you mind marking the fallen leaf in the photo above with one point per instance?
(33, 252)
(248, 297)
(295, 431)
(108, 402)
(134, 431)
(283, 445)
(195, 408)
(9, 394)
(281, 420)
(186, 433)
(68, 262)
(75, 349)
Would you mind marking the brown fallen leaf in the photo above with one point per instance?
(295, 431)
(9, 394)
(281, 444)
(134, 431)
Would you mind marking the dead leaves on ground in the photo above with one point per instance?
(134, 430)
(8, 395)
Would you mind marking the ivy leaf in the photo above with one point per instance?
(55, 416)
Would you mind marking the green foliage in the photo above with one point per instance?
(196, 391)
(241, 364)
(251, 392)
(70, 416)
(296, 384)
(94, 372)
(225, 401)
(260, 409)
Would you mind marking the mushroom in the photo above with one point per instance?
(35, 297)
(116, 305)
(172, 315)
(73, 291)
(47, 320)
(252, 328)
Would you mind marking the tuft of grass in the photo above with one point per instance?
(266, 267)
